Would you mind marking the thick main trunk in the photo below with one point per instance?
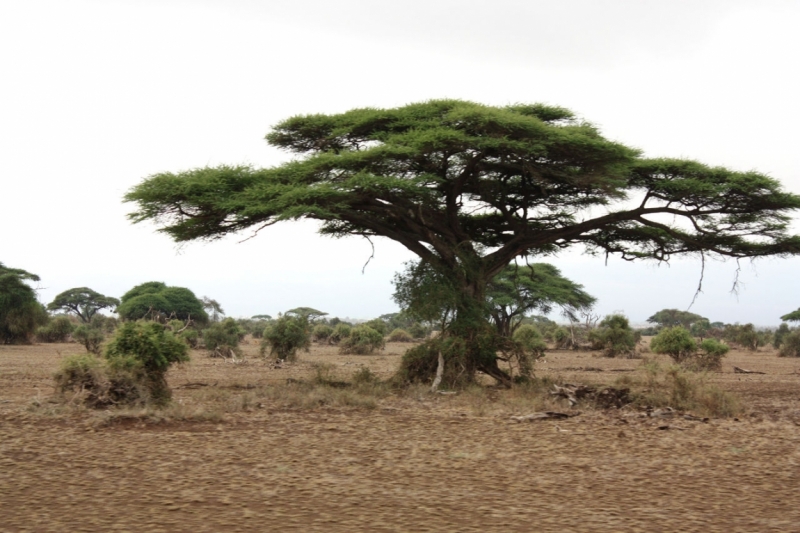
(480, 336)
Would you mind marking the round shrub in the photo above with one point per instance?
(321, 332)
(378, 325)
(710, 358)
(363, 340)
(91, 338)
(222, 338)
(676, 342)
(614, 336)
(340, 332)
(285, 337)
(530, 340)
(561, 337)
(790, 347)
(400, 335)
(147, 350)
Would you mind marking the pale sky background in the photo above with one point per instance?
(97, 95)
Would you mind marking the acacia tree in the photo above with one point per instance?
(156, 299)
(468, 188)
(669, 318)
(82, 301)
(511, 295)
(794, 316)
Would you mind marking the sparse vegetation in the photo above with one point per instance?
(222, 339)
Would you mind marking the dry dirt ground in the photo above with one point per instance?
(240, 450)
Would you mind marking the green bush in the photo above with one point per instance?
(321, 332)
(378, 325)
(286, 336)
(710, 358)
(97, 382)
(222, 338)
(614, 336)
(780, 333)
(340, 332)
(91, 338)
(561, 338)
(531, 340)
(57, 330)
(418, 331)
(191, 337)
(677, 342)
(400, 335)
(147, 350)
(155, 300)
(363, 340)
(106, 324)
(790, 347)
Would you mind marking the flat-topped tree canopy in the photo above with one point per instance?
(469, 187)
(449, 178)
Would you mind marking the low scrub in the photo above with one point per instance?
(530, 340)
(363, 340)
(321, 333)
(684, 390)
(132, 372)
(676, 342)
(400, 335)
(58, 329)
(340, 332)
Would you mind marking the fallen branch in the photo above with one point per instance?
(545, 415)
(738, 370)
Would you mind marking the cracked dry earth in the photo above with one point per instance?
(408, 464)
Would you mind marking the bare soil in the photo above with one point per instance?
(232, 454)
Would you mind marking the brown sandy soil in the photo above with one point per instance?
(248, 461)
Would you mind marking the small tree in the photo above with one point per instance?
(213, 307)
(794, 316)
(780, 334)
(614, 336)
(286, 336)
(710, 357)
(82, 301)
(676, 342)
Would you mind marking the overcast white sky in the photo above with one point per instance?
(97, 95)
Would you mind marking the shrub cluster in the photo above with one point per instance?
(91, 338)
(58, 329)
(286, 336)
(363, 340)
(222, 339)
(790, 345)
(133, 370)
(615, 337)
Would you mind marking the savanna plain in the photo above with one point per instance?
(321, 444)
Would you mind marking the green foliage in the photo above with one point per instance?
(468, 188)
(82, 301)
(150, 344)
(710, 358)
(363, 340)
(790, 347)
(615, 336)
(191, 337)
(794, 316)
(145, 351)
(213, 307)
(321, 332)
(668, 318)
(106, 324)
(222, 338)
(286, 336)
(58, 329)
(155, 300)
(91, 338)
(308, 313)
(561, 338)
(98, 383)
(780, 334)
(378, 325)
(714, 347)
(519, 290)
(418, 331)
(530, 340)
(676, 342)
(745, 336)
(20, 313)
(364, 376)
(340, 332)
(400, 335)
(700, 328)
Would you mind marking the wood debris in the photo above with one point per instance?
(544, 415)
(738, 370)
